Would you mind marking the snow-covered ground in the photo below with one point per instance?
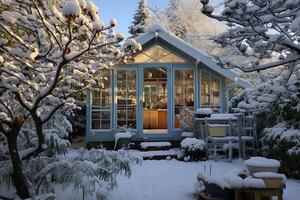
(175, 180)
(168, 180)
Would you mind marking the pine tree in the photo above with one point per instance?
(141, 19)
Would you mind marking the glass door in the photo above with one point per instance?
(155, 100)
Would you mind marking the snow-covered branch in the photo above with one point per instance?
(267, 30)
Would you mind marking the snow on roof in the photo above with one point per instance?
(156, 31)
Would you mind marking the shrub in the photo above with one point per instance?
(193, 149)
(283, 143)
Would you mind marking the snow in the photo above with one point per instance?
(167, 179)
(250, 182)
(150, 154)
(223, 116)
(113, 22)
(269, 175)
(262, 162)
(98, 25)
(145, 145)
(164, 179)
(204, 111)
(192, 144)
(187, 134)
(120, 135)
(71, 8)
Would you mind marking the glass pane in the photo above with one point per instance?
(126, 98)
(157, 53)
(102, 97)
(210, 90)
(101, 100)
(205, 89)
(184, 92)
(215, 91)
(95, 119)
(105, 120)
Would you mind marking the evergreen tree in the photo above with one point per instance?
(141, 19)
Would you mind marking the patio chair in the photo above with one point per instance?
(216, 137)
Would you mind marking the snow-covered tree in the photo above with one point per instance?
(176, 23)
(49, 50)
(141, 19)
(265, 29)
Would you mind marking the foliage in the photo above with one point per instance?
(185, 118)
(264, 29)
(141, 19)
(277, 104)
(283, 144)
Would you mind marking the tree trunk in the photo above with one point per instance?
(17, 175)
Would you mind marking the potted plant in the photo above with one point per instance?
(123, 137)
(262, 164)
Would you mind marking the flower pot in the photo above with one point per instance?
(216, 191)
(123, 143)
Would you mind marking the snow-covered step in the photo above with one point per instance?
(155, 145)
(156, 155)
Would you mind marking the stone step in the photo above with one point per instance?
(146, 146)
(157, 155)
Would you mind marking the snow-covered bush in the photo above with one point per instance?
(277, 104)
(283, 143)
(92, 172)
(275, 100)
(193, 149)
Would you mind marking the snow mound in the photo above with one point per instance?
(269, 175)
(204, 111)
(71, 8)
(262, 162)
(187, 134)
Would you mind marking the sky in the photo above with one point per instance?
(123, 11)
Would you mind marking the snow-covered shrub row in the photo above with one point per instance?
(193, 149)
(283, 143)
(277, 103)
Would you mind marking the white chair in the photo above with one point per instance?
(216, 136)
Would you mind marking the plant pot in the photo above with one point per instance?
(123, 143)
(216, 191)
